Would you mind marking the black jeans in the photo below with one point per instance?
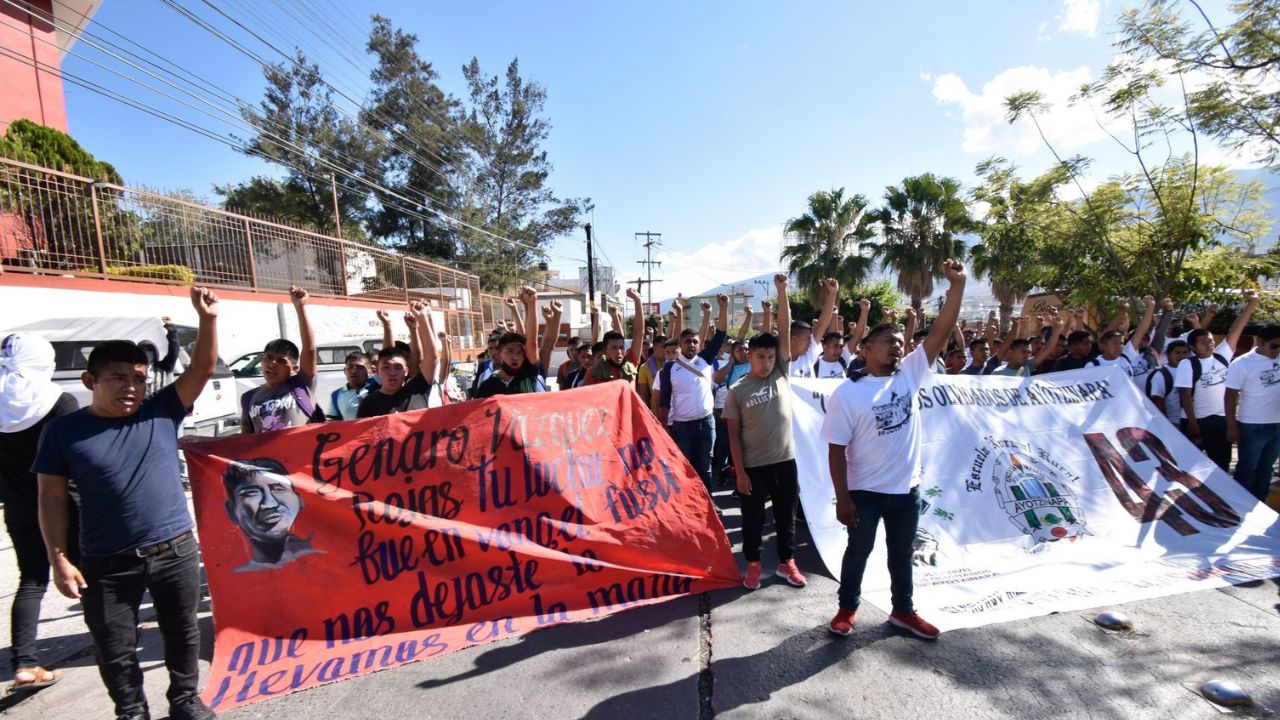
(1213, 440)
(780, 483)
(901, 515)
(116, 584)
(33, 579)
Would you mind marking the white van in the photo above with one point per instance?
(215, 413)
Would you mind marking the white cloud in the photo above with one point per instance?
(985, 129)
(1042, 32)
(926, 76)
(692, 271)
(1080, 16)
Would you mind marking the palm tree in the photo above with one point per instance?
(1010, 231)
(827, 242)
(920, 225)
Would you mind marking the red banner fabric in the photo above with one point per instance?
(337, 550)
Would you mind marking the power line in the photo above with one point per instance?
(240, 146)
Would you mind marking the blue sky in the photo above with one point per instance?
(709, 122)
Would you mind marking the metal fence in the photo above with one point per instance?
(56, 222)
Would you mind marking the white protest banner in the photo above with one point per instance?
(1059, 492)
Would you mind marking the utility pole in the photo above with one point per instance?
(650, 239)
(337, 216)
(591, 274)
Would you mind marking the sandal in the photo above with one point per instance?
(38, 678)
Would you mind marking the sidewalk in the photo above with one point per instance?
(764, 654)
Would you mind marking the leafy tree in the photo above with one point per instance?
(827, 242)
(299, 128)
(1012, 232)
(1136, 232)
(35, 144)
(1236, 94)
(506, 190)
(881, 293)
(59, 214)
(921, 223)
(420, 152)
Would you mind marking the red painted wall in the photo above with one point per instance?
(27, 90)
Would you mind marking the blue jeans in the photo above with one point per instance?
(695, 438)
(1259, 450)
(901, 515)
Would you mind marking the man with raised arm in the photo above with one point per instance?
(407, 382)
(757, 413)
(287, 397)
(135, 531)
(685, 395)
(806, 347)
(873, 432)
(521, 365)
(619, 362)
(1127, 355)
(1201, 382)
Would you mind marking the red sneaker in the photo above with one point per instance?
(914, 624)
(842, 623)
(789, 572)
(752, 579)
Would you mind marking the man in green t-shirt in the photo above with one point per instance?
(757, 411)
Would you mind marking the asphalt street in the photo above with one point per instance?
(762, 654)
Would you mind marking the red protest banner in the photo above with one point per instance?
(401, 538)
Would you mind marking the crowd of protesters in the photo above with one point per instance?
(93, 495)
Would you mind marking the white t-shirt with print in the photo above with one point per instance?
(692, 396)
(829, 369)
(1257, 377)
(1210, 393)
(1172, 398)
(803, 365)
(1134, 364)
(877, 419)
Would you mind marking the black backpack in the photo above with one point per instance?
(1197, 369)
(818, 363)
(1168, 381)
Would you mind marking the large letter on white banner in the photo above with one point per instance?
(1045, 494)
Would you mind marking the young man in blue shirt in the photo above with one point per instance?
(135, 530)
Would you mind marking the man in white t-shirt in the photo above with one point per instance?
(805, 348)
(686, 396)
(1201, 381)
(1115, 351)
(1252, 405)
(1160, 383)
(873, 435)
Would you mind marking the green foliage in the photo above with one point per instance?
(172, 273)
(1236, 99)
(881, 293)
(28, 142)
(425, 160)
(299, 128)
(827, 242)
(507, 171)
(921, 223)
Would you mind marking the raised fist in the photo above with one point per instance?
(632, 294)
(705, 305)
(297, 295)
(1250, 296)
(953, 271)
(722, 299)
(384, 317)
(1149, 301)
(204, 301)
(865, 305)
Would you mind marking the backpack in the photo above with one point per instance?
(314, 414)
(1167, 374)
(1197, 369)
(818, 363)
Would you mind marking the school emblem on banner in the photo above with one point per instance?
(1035, 492)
